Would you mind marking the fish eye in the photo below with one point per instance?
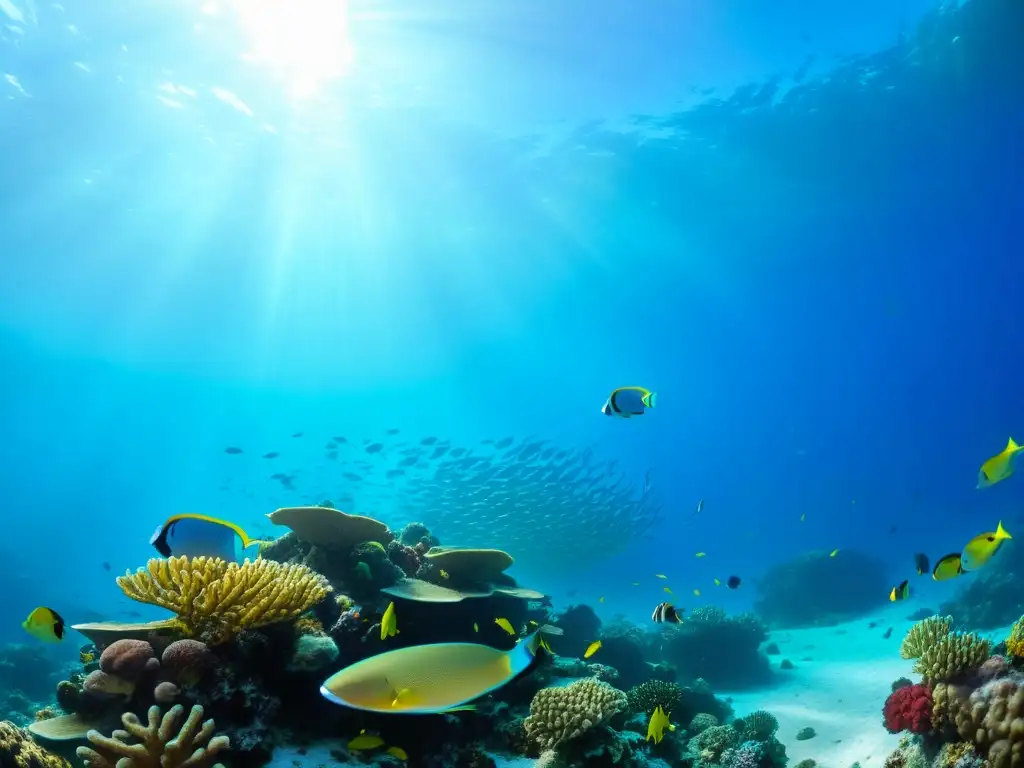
(991, 538)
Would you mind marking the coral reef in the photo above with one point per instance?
(18, 750)
(721, 649)
(943, 655)
(845, 587)
(908, 708)
(560, 714)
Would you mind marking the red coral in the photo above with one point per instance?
(909, 709)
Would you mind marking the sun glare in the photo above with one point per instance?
(305, 42)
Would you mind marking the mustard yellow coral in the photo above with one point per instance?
(925, 634)
(560, 714)
(18, 750)
(1015, 640)
(216, 600)
(952, 655)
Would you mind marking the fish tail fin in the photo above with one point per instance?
(1002, 533)
(650, 399)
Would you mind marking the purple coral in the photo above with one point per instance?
(128, 659)
(188, 660)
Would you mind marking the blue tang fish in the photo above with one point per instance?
(193, 535)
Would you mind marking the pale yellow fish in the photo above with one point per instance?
(1000, 466)
(476, 627)
(702, 554)
(398, 752)
(718, 583)
(505, 624)
(696, 593)
(803, 517)
(376, 545)
(593, 648)
(389, 623)
(666, 589)
(834, 553)
(366, 741)
(444, 574)
(661, 575)
(636, 583)
(601, 599)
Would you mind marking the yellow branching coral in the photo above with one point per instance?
(560, 714)
(161, 744)
(216, 599)
(952, 655)
(924, 635)
(18, 750)
(1015, 641)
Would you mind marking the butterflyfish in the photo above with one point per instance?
(734, 582)
(1000, 466)
(593, 648)
(666, 612)
(429, 679)
(921, 564)
(506, 625)
(194, 535)
(982, 548)
(388, 623)
(626, 402)
(44, 624)
(658, 724)
(900, 592)
(947, 567)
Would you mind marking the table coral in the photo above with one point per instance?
(18, 750)
(216, 600)
(908, 709)
(161, 743)
(558, 715)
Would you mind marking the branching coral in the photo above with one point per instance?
(941, 653)
(908, 709)
(924, 635)
(760, 726)
(1015, 640)
(713, 741)
(18, 750)
(994, 721)
(216, 599)
(560, 714)
(161, 743)
(654, 693)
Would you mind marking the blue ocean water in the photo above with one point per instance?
(228, 223)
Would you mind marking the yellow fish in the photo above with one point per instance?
(389, 623)
(625, 402)
(657, 725)
(593, 648)
(666, 589)
(506, 625)
(429, 679)
(981, 548)
(701, 554)
(1000, 466)
(398, 752)
(476, 627)
(601, 599)
(833, 553)
(44, 624)
(947, 567)
(532, 624)
(661, 575)
(696, 593)
(376, 545)
(444, 574)
(718, 583)
(365, 741)
(636, 583)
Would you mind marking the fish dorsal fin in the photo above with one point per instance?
(1011, 446)
(1002, 533)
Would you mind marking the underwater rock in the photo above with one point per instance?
(312, 653)
(806, 733)
(772, 649)
(786, 664)
(723, 650)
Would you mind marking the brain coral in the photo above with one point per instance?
(994, 721)
(952, 655)
(908, 709)
(560, 714)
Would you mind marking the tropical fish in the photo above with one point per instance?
(717, 583)
(505, 624)
(600, 599)
(365, 741)
(657, 725)
(734, 582)
(700, 507)
(833, 553)
(443, 574)
(362, 570)
(701, 554)
(900, 592)
(476, 627)
(593, 648)
(948, 567)
(982, 547)
(803, 516)
(376, 545)
(626, 402)
(271, 455)
(635, 583)
(388, 623)
(921, 564)
(429, 679)
(666, 589)
(44, 624)
(1000, 466)
(696, 593)
(194, 535)
(661, 575)
(398, 752)
(233, 450)
(666, 612)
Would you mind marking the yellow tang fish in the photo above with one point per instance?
(718, 583)
(666, 589)
(593, 648)
(389, 623)
(506, 625)
(833, 553)
(398, 752)
(982, 547)
(44, 624)
(701, 554)
(1000, 466)
(444, 574)
(657, 725)
(476, 627)
(365, 741)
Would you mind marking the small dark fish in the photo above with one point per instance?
(106, 566)
(391, 474)
(271, 455)
(666, 612)
(340, 440)
(734, 582)
(700, 506)
(888, 634)
(392, 431)
(922, 564)
(872, 625)
(375, 448)
(332, 455)
(428, 440)
(232, 449)
(297, 434)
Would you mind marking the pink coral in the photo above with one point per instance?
(188, 660)
(908, 709)
(128, 659)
